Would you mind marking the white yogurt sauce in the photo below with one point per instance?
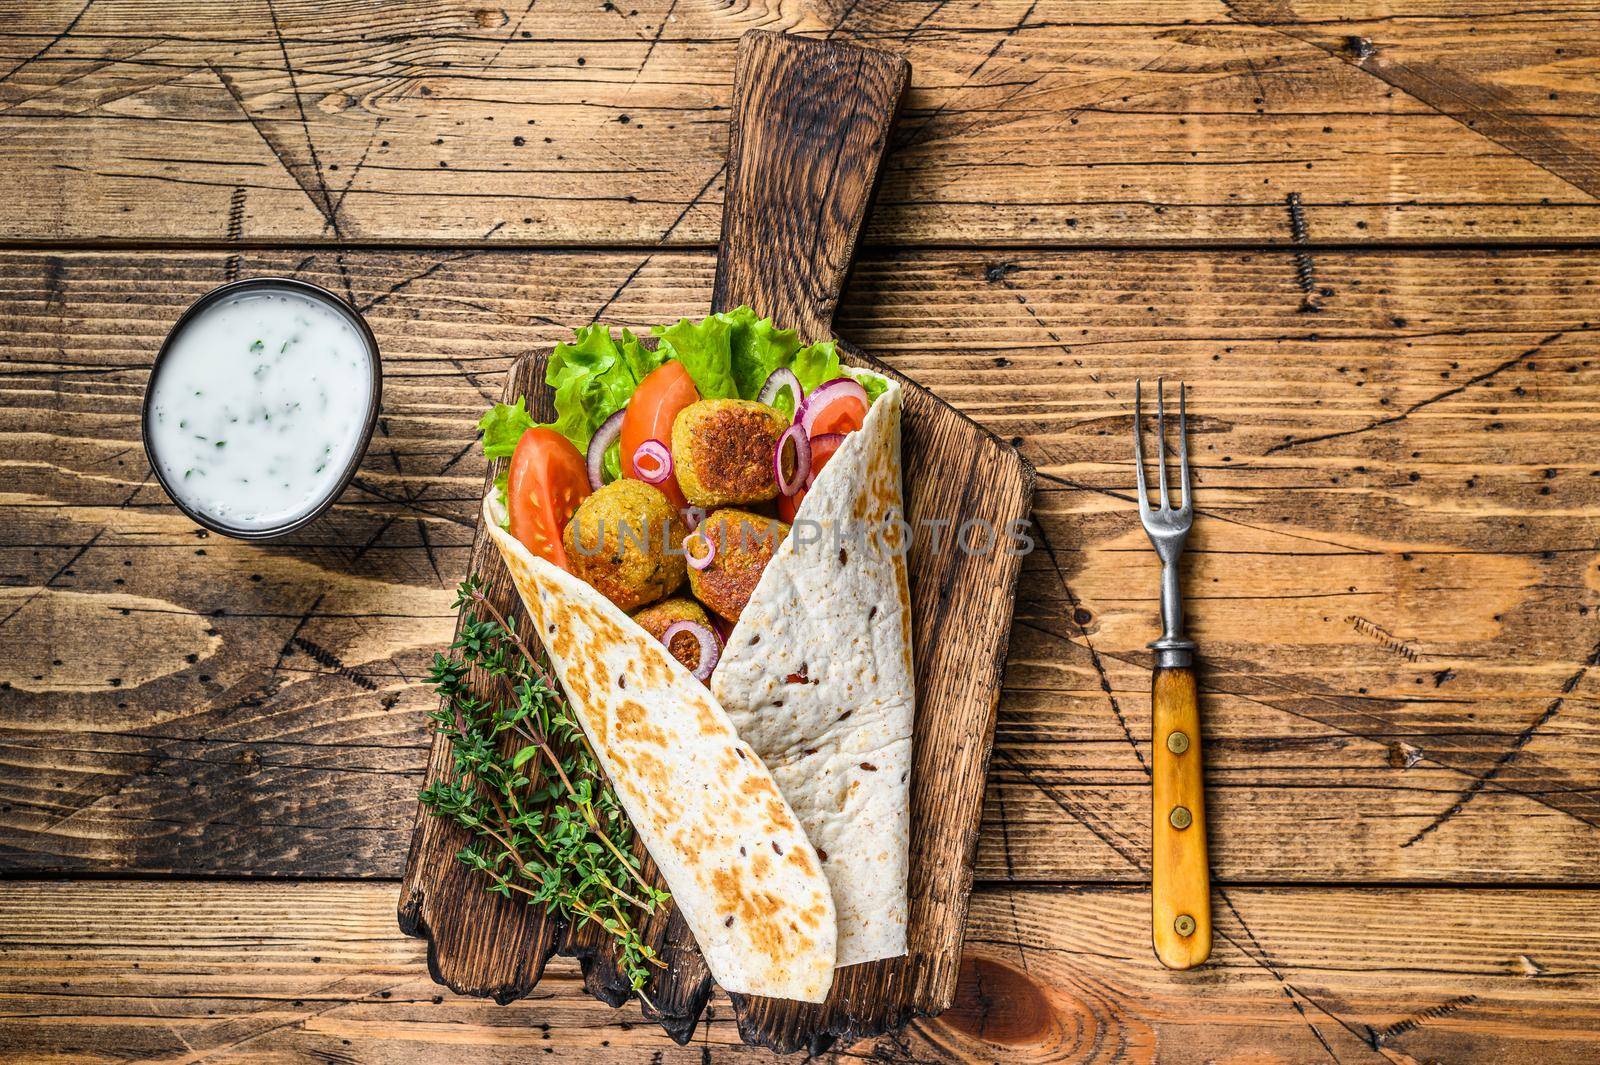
(258, 407)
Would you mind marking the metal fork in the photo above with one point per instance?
(1180, 878)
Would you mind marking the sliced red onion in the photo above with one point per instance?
(824, 394)
(599, 444)
(699, 561)
(791, 484)
(652, 462)
(693, 516)
(777, 381)
(709, 651)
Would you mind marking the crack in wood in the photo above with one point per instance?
(51, 43)
(1088, 644)
(1379, 1036)
(295, 171)
(1522, 740)
(919, 133)
(1556, 790)
(51, 580)
(1490, 112)
(661, 28)
(1074, 811)
(1487, 375)
(321, 198)
(1263, 958)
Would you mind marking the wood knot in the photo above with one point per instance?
(999, 1004)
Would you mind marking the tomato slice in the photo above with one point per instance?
(822, 449)
(548, 480)
(841, 414)
(664, 392)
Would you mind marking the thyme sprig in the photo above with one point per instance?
(524, 781)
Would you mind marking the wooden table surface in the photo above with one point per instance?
(211, 751)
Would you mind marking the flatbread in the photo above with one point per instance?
(741, 871)
(817, 678)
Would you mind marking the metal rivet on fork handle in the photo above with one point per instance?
(1181, 818)
(1178, 742)
(1183, 925)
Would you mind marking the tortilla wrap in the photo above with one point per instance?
(816, 676)
(741, 871)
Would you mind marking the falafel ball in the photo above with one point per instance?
(625, 541)
(658, 617)
(745, 543)
(722, 451)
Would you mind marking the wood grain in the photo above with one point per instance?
(1421, 629)
(576, 123)
(811, 123)
(315, 972)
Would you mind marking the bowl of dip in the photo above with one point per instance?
(260, 405)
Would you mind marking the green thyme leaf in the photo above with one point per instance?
(547, 826)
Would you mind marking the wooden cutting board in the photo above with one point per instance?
(811, 124)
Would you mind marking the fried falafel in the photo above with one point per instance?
(744, 544)
(658, 617)
(625, 540)
(722, 451)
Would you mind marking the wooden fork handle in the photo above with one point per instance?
(1180, 876)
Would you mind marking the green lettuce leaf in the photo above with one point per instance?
(875, 385)
(641, 360)
(503, 425)
(593, 379)
(817, 363)
(758, 348)
(705, 349)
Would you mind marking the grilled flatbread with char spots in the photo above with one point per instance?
(817, 678)
(742, 872)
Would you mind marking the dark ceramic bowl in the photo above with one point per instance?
(304, 288)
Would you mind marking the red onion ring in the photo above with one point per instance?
(652, 462)
(599, 444)
(776, 382)
(824, 394)
(709, 651)
(802, 460)
(699, 561)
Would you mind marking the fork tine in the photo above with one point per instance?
(1138, 447)
(1161, 442)
(1183, 444)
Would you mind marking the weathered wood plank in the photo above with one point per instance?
(106, 972)
(580, 122)
(1387, 617)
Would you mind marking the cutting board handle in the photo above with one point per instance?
(811, 122)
